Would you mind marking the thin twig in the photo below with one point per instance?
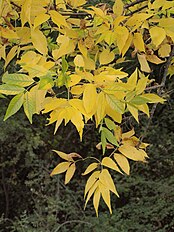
(138, 10)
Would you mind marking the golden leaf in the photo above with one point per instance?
(90, 168)
(39, 41)
(122, 162)
(69, 173)
(108, 162)
(106, 57)
(96, 200)
(157, 34)
(60, 168)
(132, 153)
(89, 98)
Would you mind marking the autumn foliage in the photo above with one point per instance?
(67, 54)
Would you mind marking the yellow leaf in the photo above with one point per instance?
(133, 110)
(153, 98)
(122, 35)
(77, 120)
(82, 48)
(143, 63)
(12, 53)
(107, 180)
(106, 56)
(74, 79)
(132, 153)
(78, 89)
(127, 44)
(138, 42)
(60, 168)
(90, 168)
(108, 162)
(91, 180)
(79, 61)
(39, 41)
(132, 80)
(118, 7)
(96, 200)
(128, 134)
(89, 63)
(117, 117)
(26, 11)
(164, 50)
(141, 85)
(122, 162)
(91, 191)
(63, 155)
(144, 108)
(154, 59)
(69, 173)
(58, 19)
(89, 97)
(157, 34)
(101, 104)
(41, 18)
(7, 33)
(105, 195)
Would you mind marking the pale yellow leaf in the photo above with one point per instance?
(122, 162)
(89, 97)
(118, 7)
(117, 117)
(154, 59)
(157, 34)
(96, 200)
(91, 191)
(60, 168)
(7, 33)
(138, 42)
(63, 155)
(91, 180)
(69, 173)
(128, 134)
(132, 80)
(39, 41)
(82, 48)
(127, 44)
(12, 53)
(132, 153)
(107, 180)
(79, 61)
(153, 98)
(41, 18)
(133, 110)
(144, 108)
(144, 66)
(106, 57)
(90, 168)
(101, 104)
(58, 19)
(164, 50)
(105, 195)
(141, 85)
(108, 162)
(122, 35)
(74, 79)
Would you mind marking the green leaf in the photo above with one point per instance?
(64, 65)
(103, 141)
(29, 105)
(110, 124)
(2, 96)
(110, 137)
(46, 82)
(15, 105)
(115, 104)
(11, 89)
(138, 100)
(22, 80)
